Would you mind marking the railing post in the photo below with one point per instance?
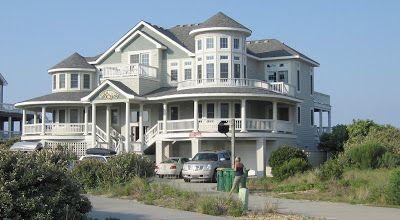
(243, 116)
(43, 120)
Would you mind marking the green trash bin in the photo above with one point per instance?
(229, 174)
(220, 180)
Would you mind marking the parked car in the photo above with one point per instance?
(171, 167)
(98, 153)
(26, 146)
(204, 165)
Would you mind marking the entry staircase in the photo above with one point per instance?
(101, 139)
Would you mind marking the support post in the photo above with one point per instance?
(321, 130)
(196, 115)
(233, 156)
(165, 113)
(9, 126)
(43, 120)
(261, 145)
(22, 128)
(127, 124)
(141, 122)
(108, 123)
(275, 115)
(94, 125)
(243, 116)
(35, 118)
(196, 143)
(329, 121)
(86, 120)
(159, 152)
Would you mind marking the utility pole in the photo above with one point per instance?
(233, 142)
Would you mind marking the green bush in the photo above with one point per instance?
(33, 187)
(389, 160)
(393, 189)
(284, 154)
(221, 206)
(360, 128)
(290, 168)
(334, 142)
(331, 169)
(91, 173)
(365, 156)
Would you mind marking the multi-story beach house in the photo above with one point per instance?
(162, 92)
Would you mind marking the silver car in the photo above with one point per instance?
(204, 165)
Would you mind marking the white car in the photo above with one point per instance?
(94, 157)
(171, 167)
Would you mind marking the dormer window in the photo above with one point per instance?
(74, 81)
(86, 81)
(210, 43)
(54, 81)
(62, 81)
(223, 42)
(199, 46)
(236, 43)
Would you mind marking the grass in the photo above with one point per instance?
(356, 187)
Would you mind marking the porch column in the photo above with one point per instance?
(108, 113)
(94, 124)
(23, 121)
(329, 122)
(159, 152)
(260, 152)
(127, 125)
(196, 115)
(275, 116)
(9, 126)
(86, 120)
(35, 118)
(320, 122)
(141, 122)
(43, 119)
(243, 116)
(196, 143)
(165, 113)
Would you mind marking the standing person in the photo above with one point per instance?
(239, 172)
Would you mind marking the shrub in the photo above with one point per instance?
(221, 206)
(91, 173)
(290, 168)
(334, 142)
(32, 187)
(365, 156)
(284, 154)
(331, 169)
(393, 189)
(389, 160)
(360, 128)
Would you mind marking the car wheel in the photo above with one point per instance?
(214, 177)
(186, 180)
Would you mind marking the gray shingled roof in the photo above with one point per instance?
(123, 87)
(91, 59)
(272, 48)
(173, 91)
(60, 96)
(74, 61)
(221, 20)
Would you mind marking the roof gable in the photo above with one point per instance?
(110, 90)
(221, 20)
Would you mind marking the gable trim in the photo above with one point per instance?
(283, 58)
(124, 43)
(220, 29)
(71, 69)
(106, 82)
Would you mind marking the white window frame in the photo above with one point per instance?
(199, 44)
(212, 43)
(78, 81)
(140, 53)
(55, 81)
(226, 43)
(65, 81)
(83, 81)
(238, 45)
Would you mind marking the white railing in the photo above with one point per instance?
(133, 70)
(32, 129)
(101, 134)
(321, 98)
(211, 124)
(64, 128)
(259, 124)
(279, 87)
(180, 125)
(152, 133)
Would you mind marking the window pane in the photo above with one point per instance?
(283, 113)
(298, 80)
(174, 75)
(238, 108)
(73, 116)
(199, 72)
(210, 110)
(62, 81)
(223, 70)
(134, 116)
(188, 74)
(199, 44)
(236, 43)
(224, 110)
(298, 115)
(74, 81)
(54, 81)
(144, 58)
(134, 58)
(312, 117)
(61, 116)
(237, 70)
(145, 116)
(223, 42)
(283, 76)
(86, 81)
(245, 71)
(210, 43)
(210, 70)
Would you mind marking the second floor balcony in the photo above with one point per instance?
(278, 87)
(129, 71)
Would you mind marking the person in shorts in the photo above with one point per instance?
(239, 173)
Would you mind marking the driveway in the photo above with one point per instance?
(123, 209)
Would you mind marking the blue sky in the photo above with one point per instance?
(356, 42)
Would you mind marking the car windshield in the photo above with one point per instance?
(174, 160)
(206, 157)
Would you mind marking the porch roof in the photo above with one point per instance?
(56, 97)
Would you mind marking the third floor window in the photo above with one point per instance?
(223, 68)
(209, 43)
(236, 44)
(199, 46)
(223, 42)
(210, 70)
(62, 81)
(74, 81)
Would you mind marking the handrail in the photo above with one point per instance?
(133, 70)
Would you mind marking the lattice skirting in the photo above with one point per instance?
(79, 148)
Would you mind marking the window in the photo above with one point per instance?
(223, 69)
(238, 109)
(224, 110)
(209, 57)
(298, 115)
(210, 70)
(283, 113)
(245, 71)
(210, 110)
(145, 58)
(271, 76)
(223, 42)
(54, 81)
(86, 81)
(223, 57)
(236, 44)
(115, 117)
(134, 58)
(312, 84)
(174, 64)
(298, 80)
(200, 106)
(73, 116)
(61, 116)
(199, 59)
(199, 72)
(62, 81)
(74, 81)
(188, 63)
(236, 70)
(209, 43)
(283, 76)
(174, 75)
(312, 118)
(174, 113)
(236, 58)
(188, 74)
(199, 45)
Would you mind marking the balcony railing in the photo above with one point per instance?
(321, 98)
(278, 87)
(132, 71)
(57, 129)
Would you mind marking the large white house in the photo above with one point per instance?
(163, 92)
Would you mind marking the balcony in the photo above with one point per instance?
(322, 100)
(278, 87)
(129, 71)
(58, 129)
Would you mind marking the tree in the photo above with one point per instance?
(334, 142)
